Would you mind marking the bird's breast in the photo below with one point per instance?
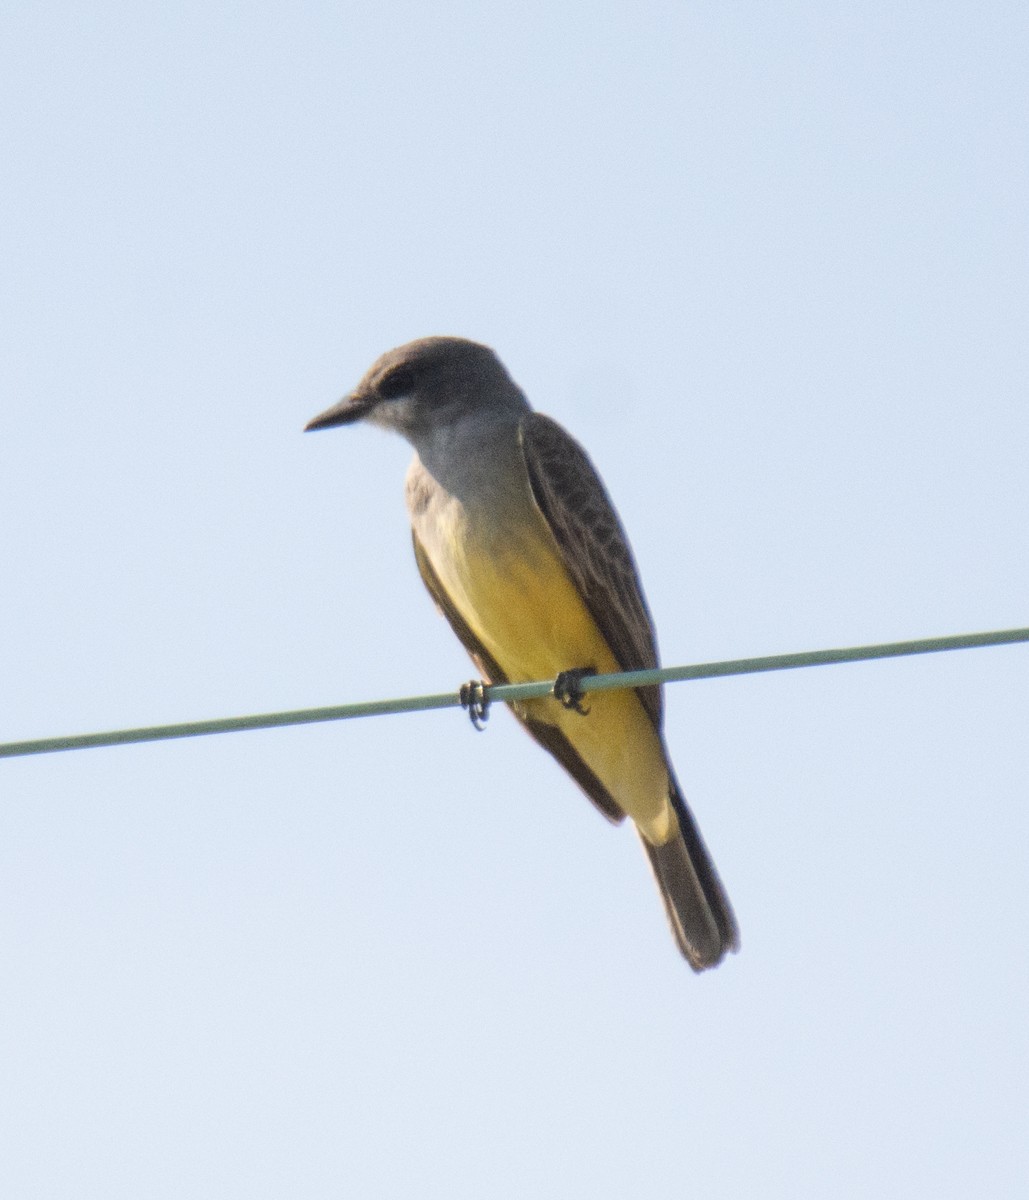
(501, 568)
(500, 565)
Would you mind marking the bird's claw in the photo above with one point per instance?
(568, 688)
(475, 700)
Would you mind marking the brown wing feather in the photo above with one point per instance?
(576, 506)
(548, 736)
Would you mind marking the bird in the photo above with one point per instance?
(522, 551)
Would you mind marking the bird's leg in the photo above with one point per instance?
(474, 698)
(568, 688)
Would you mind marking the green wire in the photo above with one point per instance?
(513, 691)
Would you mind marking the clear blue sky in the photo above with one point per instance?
(770, 264)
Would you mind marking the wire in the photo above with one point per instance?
(514, 691)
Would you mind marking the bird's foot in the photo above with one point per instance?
(474, 698)
(568, 688)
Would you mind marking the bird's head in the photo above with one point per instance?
(425, 386)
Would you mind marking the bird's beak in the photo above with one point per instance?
(351, 408)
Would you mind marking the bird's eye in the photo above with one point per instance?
(399, 382)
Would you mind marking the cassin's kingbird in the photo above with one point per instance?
(522, 550)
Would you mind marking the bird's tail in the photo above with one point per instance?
(698, 909)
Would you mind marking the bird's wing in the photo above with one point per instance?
(593, 545)
(548, 736)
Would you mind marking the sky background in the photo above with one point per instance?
(770, 264)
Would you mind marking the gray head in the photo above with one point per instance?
(426, 386)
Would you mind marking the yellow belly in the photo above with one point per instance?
(517, 597)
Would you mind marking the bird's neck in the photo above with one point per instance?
(472, 446)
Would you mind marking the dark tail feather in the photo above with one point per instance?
(698, 908)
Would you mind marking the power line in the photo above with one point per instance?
(513, 691)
